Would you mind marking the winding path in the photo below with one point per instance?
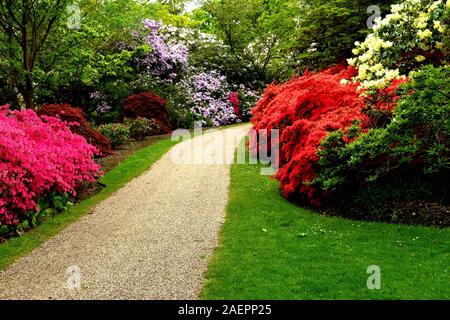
(150, 240)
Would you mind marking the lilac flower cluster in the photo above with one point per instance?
(164, 60)
(206, 94)
(209, 94)
(101, 102)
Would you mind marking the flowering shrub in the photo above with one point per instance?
(305, 110)
(147, 105)
(208, 51)
(210, 94)
(415, 142)
(412, 35)
(100, 100)
(164, 60)
(69, 114)
(39, 156)
(184, 66)
(117, 133)
(141, 128)
(234, 100)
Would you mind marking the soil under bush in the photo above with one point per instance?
(409, 199)
(418, 212)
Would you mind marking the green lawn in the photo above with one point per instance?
(271, 249)
(130, 168)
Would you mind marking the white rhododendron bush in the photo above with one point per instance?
(410, 36)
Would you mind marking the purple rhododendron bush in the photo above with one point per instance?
(211, 99)
(38, 157)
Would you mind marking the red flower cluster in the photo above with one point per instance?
(39, 156)
(305, 110)
(234, 100)
(385, 99)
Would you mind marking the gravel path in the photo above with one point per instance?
(150, 240)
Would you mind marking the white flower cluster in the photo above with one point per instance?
(190, 37)
(413, 24)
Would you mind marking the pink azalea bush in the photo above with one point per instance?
(39, 156)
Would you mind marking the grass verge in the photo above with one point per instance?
(271, 249)
(130, 168)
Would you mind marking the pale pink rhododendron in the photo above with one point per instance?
(39, 156)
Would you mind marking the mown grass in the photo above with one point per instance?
(272, 249)
(130, 168)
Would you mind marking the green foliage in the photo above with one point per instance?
(141, 128)
(180, 117)
(328, 29)
(273, 38)
(446, 38)
(26, 28)
(262, 41)
(87, 59)
(415, 142)
(117, 133)
(52, 204)
(67, 63)
(255, 32)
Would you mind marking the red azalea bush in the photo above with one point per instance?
(305, 110)
(147, 105)
(70, 114)
(396, 169)
(39, 156)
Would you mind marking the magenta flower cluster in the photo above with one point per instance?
(37, 157)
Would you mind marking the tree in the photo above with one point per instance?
(235, 21)
(75, 45)
(327, 30)
(291, 35)
(175, 7)
(254, 31)
(26, 26)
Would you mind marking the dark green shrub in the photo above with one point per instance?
(117, 133)
(141, 128)
(181, 117)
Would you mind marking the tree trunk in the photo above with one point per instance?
(28, 93)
